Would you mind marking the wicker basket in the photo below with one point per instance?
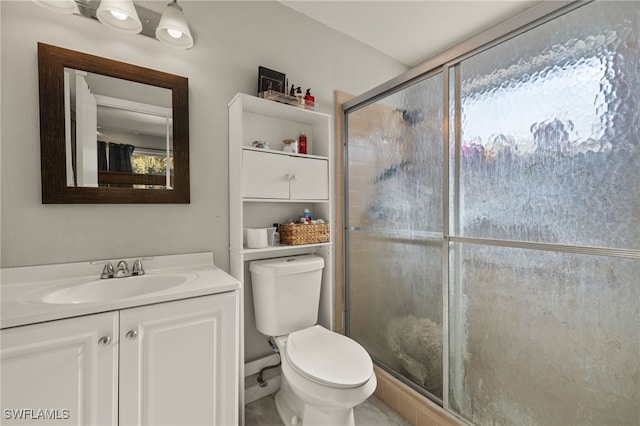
(304, 233)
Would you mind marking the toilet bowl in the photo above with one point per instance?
(324, 374)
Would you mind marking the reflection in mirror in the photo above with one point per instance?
(118, 133)
(111, 132)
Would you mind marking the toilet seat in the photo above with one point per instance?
(328, 358)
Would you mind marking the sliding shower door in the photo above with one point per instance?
(394, 231)
(545, 223)
(521, 200)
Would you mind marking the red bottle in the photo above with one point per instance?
(309, 101)
(302, 144)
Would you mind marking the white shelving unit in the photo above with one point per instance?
(268, 186)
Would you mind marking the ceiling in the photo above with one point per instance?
(410, 31)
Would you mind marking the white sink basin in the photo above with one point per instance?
(33, 294)
(112, 289)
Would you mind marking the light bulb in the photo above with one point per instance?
(174, 33)
(173, 28)
(118, 15)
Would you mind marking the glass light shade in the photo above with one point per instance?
(59, 6)
(119, 15)
(173, 29)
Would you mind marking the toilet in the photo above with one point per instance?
(324, 374)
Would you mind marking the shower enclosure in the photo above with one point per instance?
(492, 222)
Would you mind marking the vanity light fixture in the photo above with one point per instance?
(170, 27)
(59, 6)
(173, 29)
(119, 15)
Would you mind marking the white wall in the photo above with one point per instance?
(231, 40)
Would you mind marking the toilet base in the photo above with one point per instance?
(293, 411)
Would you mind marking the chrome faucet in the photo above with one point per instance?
(137, 268)
(123, 270)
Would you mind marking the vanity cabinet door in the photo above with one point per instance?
(265, 175)
(179, 362)
(61, 372)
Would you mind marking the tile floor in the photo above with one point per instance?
(370, 413)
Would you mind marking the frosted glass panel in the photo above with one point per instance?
(395, 290)
(542, 338)
(395, 232)
(395, 160)
(550, 144)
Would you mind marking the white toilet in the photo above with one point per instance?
(324, 374)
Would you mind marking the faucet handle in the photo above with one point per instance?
(137, 268)
(107, 271)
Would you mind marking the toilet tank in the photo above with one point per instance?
(286, 293)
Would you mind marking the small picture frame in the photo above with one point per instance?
(270, 80)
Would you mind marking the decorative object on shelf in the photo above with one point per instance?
(304, 233)
(260, 144)
(270, 81)
(290, 145)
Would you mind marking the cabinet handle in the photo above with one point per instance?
(287, 177)
(293, 177)
(131, 335)
(104, 341)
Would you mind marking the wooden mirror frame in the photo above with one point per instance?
(51, 63)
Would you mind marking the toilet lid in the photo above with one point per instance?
(328, 358)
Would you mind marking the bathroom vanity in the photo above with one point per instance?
(74, 351)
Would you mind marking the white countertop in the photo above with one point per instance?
(21, 289)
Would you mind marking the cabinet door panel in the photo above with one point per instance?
(181, 368)
(264, 175)
(311, 181)
(57, 372)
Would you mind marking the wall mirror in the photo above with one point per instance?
(111, 132)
